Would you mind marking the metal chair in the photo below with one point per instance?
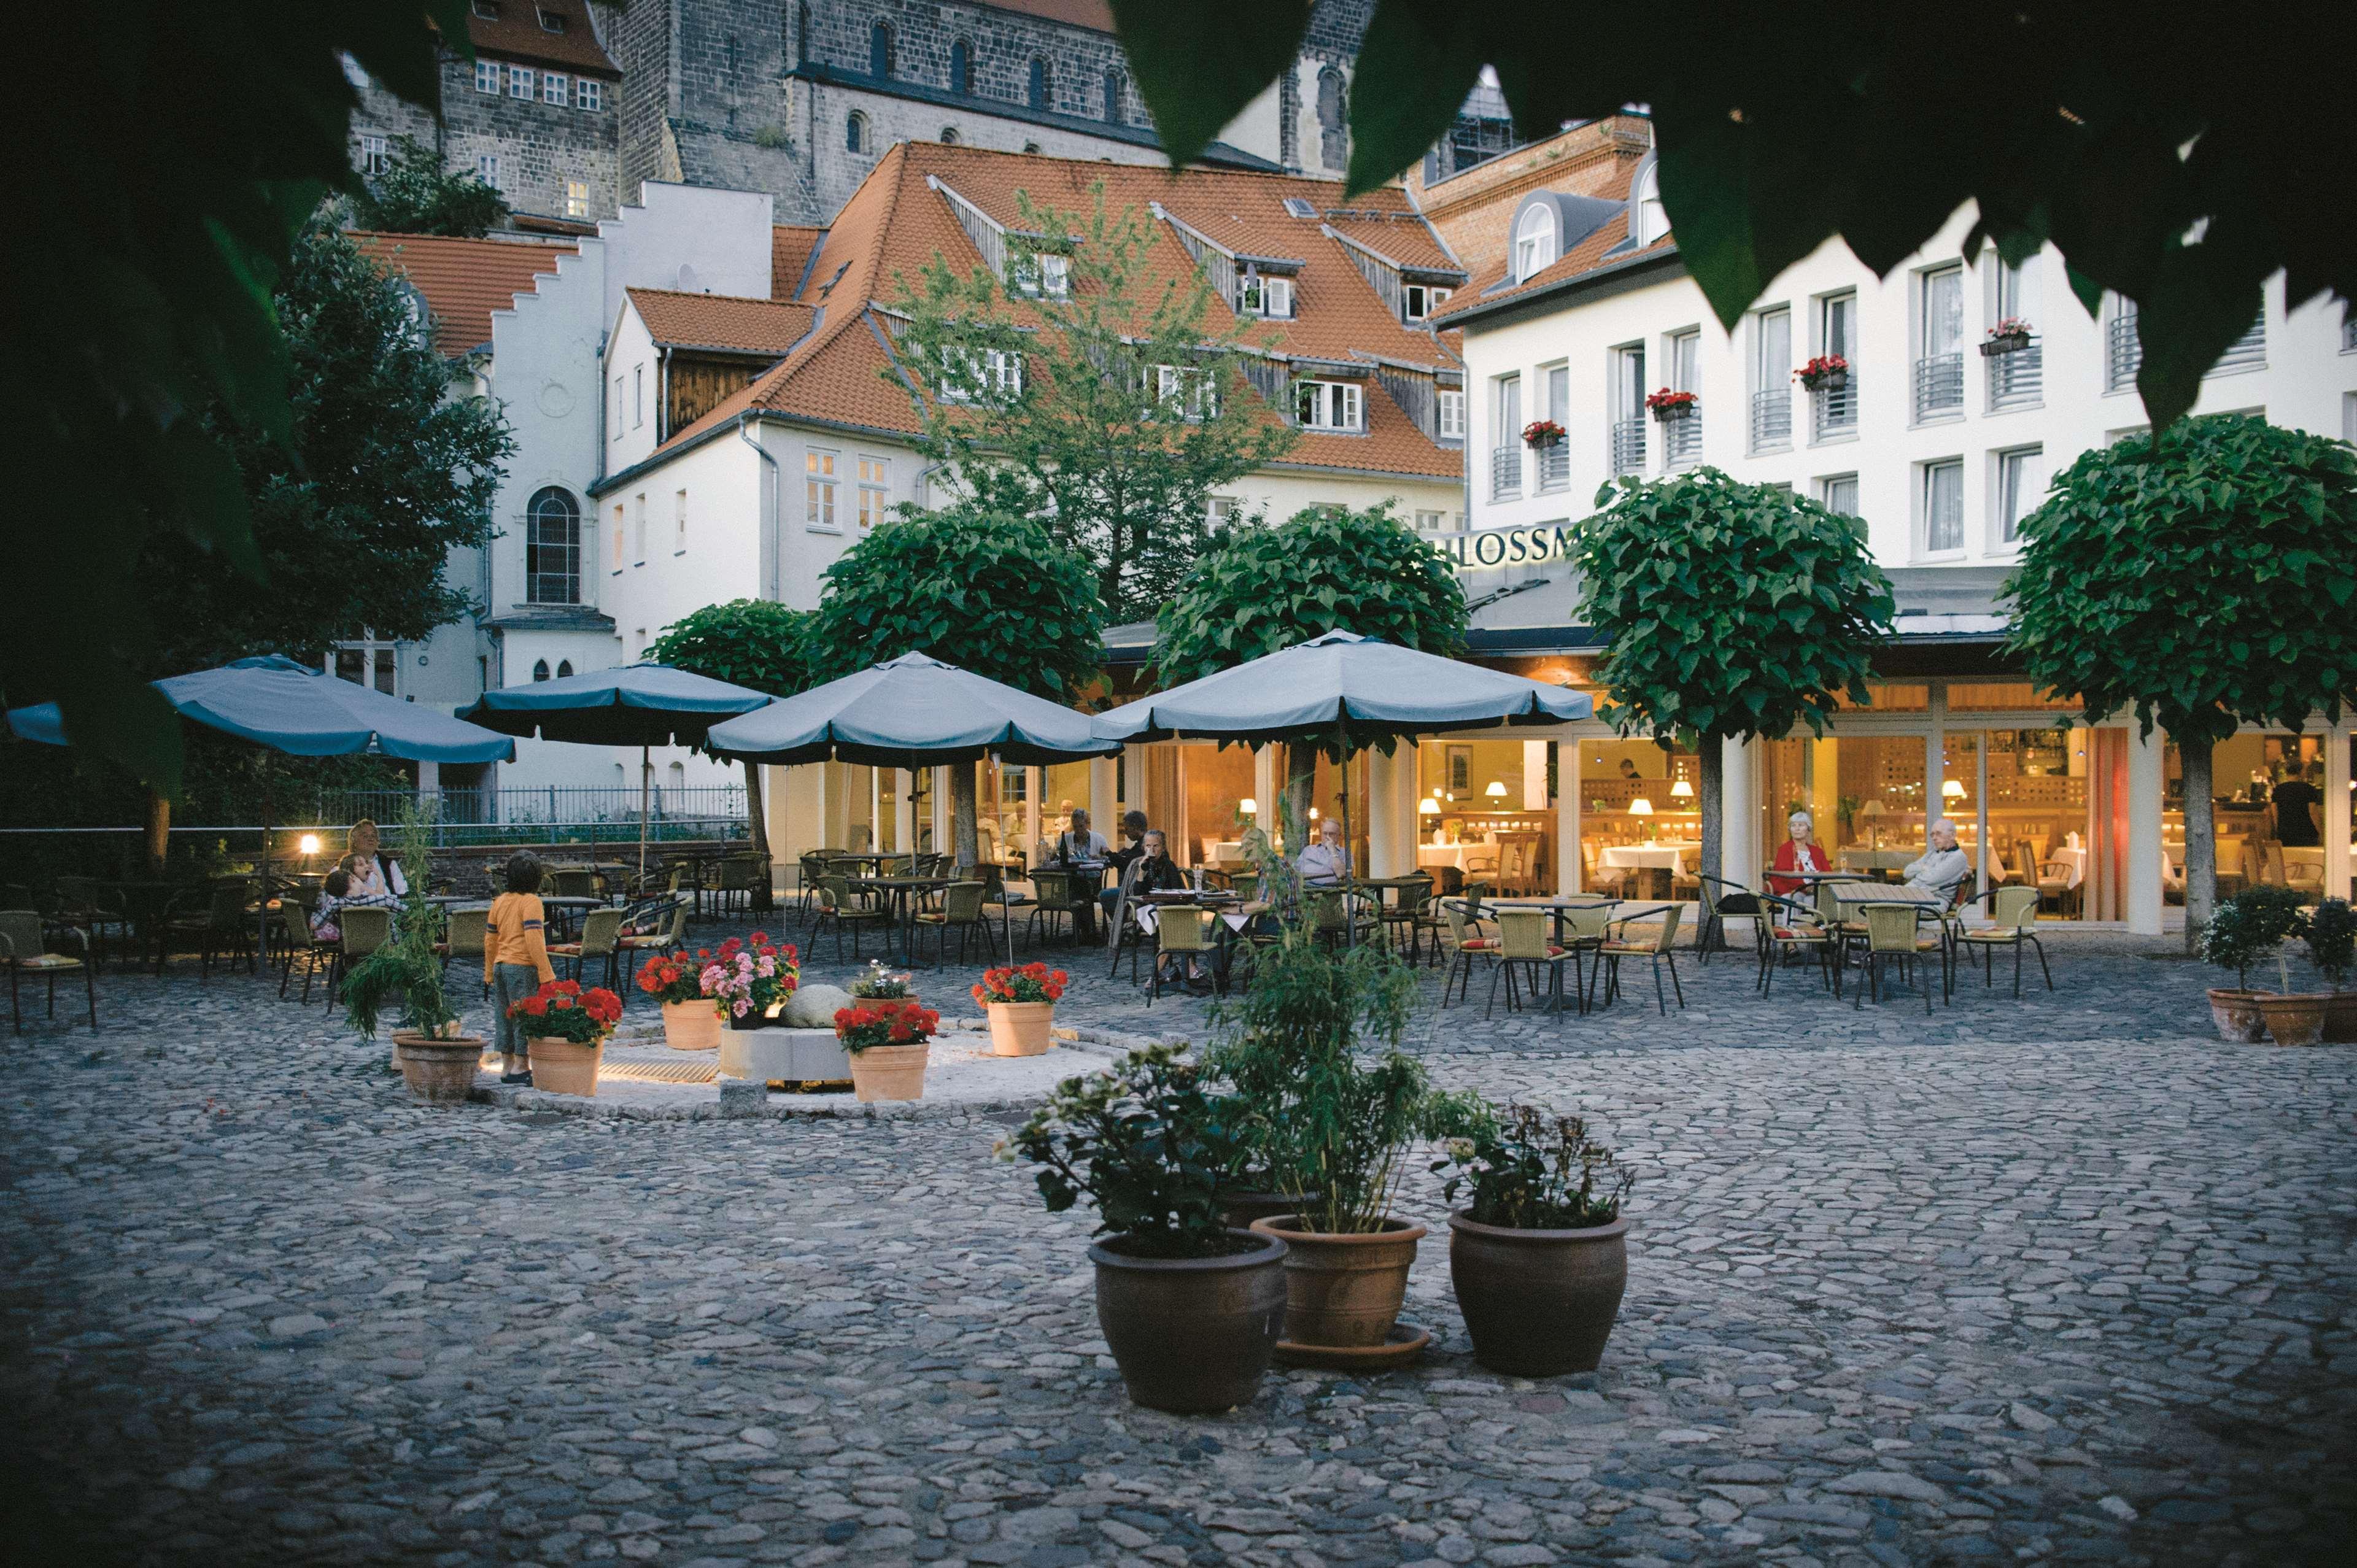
(1466, 941)
(24, 950)
(962, 910)
(1785, 927)
(2013, 912)
(1181, 933)
(364, 929)
(1052, 893)
(1344, 914)
(1123, 931)
(1407, 915)
(1522, 939)
(1894, 935)
(1722, 899)
(465, 937)
(219, 927)
(1655, 948)
(85, 902)
(837, 908)
(602, 931)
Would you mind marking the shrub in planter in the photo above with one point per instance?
(1538, 1254)
(2253, 925)
(438, 1062)
(565, 1029)
(1190, 1307)
(2331, 932)
(1021, 1004)
(749, 981)
(879, 985)
(889, 1044)
(675, 980)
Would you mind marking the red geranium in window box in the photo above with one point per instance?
(1542, 432)
(2010, 335)
(1826, 373)
(1668, 405)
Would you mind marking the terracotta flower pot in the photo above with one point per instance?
(439, 1072)
(560, 1066)
(2294, 1020)
(890, 1072)
(1191, 1335)
(1538, 1303)
(691, 1025)
(1021, 1028)
(1344, 1291)
(2341, 1018)
(2236, 1014)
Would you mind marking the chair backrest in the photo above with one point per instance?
(1642, 931)
(2015, 908)
(961, 903)
(80, 893)
(364, 929)
(227, 902)
(834, 892)
(1182, 929)
(1052, 889)
(1459, 931)
(1329, 911)
(1890, 927)
(573, 882)
(2025, 861)
(20, 933)
(295, 902)
(1123, 898)
(739, 874)
(1522, 933)
(1475, 891)
(1730, 898)
(1588, 922)
(856, 838)
(599, 931)
(468, 926)
(899, 865)
(1829, 904)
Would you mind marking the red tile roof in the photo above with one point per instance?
(515, 32)
(1587, 256)
(720, 321)
(790, 245)
(1093, 13)
(463, 280)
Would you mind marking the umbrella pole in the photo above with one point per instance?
(262, 916)
(646, 772)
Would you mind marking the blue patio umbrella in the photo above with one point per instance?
(635, 704)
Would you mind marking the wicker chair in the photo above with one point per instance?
(100, 910)
(1522, 939)
(213, 922)
(1656, 945)
(465, 938)
(2013, 923)
(1405, 919)
(1466, 941)
(1894, 935)
(1180, 934)
(601, 933)
(1786, 927)
(23, 951)
(839, 908)
(1052, 896)
(364, 929)
(964, 912)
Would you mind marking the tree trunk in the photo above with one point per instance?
(1710, 752)
(2200, 838)
(159, 832)
(756, 820)
(1300, 792)
(962, 818)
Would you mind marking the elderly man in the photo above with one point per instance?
(1944, 867)
(1326, 862)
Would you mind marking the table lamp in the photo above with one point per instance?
(310, 844)
(1682, 790)
(1248, 807)
(1642, 807)
(1497, 789)
(1952, 789)
(1428, 807)
(1872, 812)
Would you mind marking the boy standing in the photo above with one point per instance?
(515, 959)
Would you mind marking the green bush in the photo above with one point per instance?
(2252, 925)
(2331, 931)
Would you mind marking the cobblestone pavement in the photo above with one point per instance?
(2056, 1281)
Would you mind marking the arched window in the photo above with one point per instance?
(961, 68)
(949, 136)
(1534, 241)
(540, 671)
(564, 669)
(1113, 97)
(1334, 118)
(855, 133)
(1040, 83)
(552, 548)
(879, 50)
(1648, 222)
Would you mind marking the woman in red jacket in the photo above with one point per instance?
(1799, 852)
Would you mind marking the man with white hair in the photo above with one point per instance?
(1944, 867)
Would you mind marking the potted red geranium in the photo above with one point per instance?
(1669, 405)
(565, 1029)
(690, 1019)
(889, 1044)
(1826, 373)
(1022, 1005)
(2010, 335)
(1542, 432)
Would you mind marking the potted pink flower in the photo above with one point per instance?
(749, 981)
(1826, 373)
(2010, 335)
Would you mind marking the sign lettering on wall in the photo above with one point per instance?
(1495, 547)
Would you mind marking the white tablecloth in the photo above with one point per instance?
(2073, 861)
(1669, 857)
(1148, 919)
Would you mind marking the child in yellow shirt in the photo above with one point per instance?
(515, 959)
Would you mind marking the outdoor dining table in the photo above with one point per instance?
(905, 891)
(567, 908)
(1558, 906)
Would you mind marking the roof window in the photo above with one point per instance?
(551, 22)
(1295, 207)
(489, 10)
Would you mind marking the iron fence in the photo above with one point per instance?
(2017, 380)
(1628, 446)
(598, 813)
(1682, 436)
(1555, 465)
(1505, 472)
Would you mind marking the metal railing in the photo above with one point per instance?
(2122, 349)
(1505, 472)
(2248, 352)
(1940, 384)
(1771, 418)
(1681, 437)
(599, 813)
(1553, 465)
(1835, 409)
(2017, 380)
(1628, 446)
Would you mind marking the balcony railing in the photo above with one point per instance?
(1553, 465)
(1628, 454)
(1939, 384)
(1836, 409)
(2248, 352)
(1505, 472)
(1771, 418)
(2017, 380)
(2122, 350)
(1683, 439)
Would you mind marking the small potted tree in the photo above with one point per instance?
(889, 1044)
(1021, 1004)
(1670, 406)
(690, 1019)
(2010, 335)
(2331, 931)
(438, 1062)
(751, 980)
(1190, 1307)
(1826, 373)
(565, 1029)
(1537, 1254)
(2253, 925)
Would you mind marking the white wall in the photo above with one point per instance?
(1278, 493)
(633, 392)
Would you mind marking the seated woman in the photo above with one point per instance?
(376, 876)
(1799, 852)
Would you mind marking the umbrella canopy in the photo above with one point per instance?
(303, 711)
(1342, 686)
(637, 705)
(910, 712)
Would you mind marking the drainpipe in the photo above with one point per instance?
(773, 587)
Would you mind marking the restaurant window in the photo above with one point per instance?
(875, 489)
(1839, 493)
(552, 548)
(1328, 405)
(557, 88)
(1942, 506)
(2020, 485)
(1451, 401)
(818, 490)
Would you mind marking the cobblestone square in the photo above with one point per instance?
(2060, 1280)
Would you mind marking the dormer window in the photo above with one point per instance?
(1259, 296)
(1534, 241)
(1648, 222)
(1328, 405)
(1419, 300)
(549, 22)
(1043, 276)
(489, 10)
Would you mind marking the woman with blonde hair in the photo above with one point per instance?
(376, 876)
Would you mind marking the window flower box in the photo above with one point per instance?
(1541, 434)
(1826, 373)
(1669, 407)
(2010, 335)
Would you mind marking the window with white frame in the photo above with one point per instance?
(1940, 342)
(1837, 326)
(679, 522)
(1652, 219)
(1224, 513)
(371, 662)
(638, 396)
(577, 198)
(1419, 300)
(2020, 486)
(875, 489)
(1452, 412)
(1555, 392)
(374, 157)
(519, 82)
(639, 556)
(621, 541)
(1043, 274)
(818, 490)
(1431, 521)
(1681, 438)
(617, 406)
(588, 94)
(489, 10)
(552, 548)
(1328, 405)
(489, 76)
(1839, 494)
(2123, 348)
(1772, 379)
(1506, 410)
(1190, 390)
(1942, 506)
(1534, 240)
(1625, 397)
(2018, 290)
(970, 373)
(487, 169)
(1259, 294)
(557, 88)
(551, 22)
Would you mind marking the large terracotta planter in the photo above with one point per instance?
(691, 1025)
(2341, 1018)
(890, 1072)
(560, 1066)
(439, 1072)
(1538, 1303)
(1343, 1291)
(1191, 1335)
(2236, 1014)
(1021, 1028)
(2294, 1020)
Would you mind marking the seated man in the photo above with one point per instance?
(1157, 873)
(1083, 848)
(1942, 869)
(1326, 862)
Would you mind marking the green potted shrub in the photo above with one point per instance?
(1190, 1307)
(2331, 930)
(1538, 1254)
(2253, 925)
(438, 1062)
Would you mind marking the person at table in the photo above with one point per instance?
(1327, 860)
(1942, 869)
(1157, 873)
(1133, 845)
(1800, 852)
(376, 876)
(515, 961)
(2296, 800)
(1078, 844)
(334, 894)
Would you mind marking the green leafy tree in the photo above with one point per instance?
(746, 642)
(1128, 409)
(142, 269)
(2203, 580)
(985, 591)
(1262, 590)
(1781, 127)
(1727, 610)
(417, 195)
